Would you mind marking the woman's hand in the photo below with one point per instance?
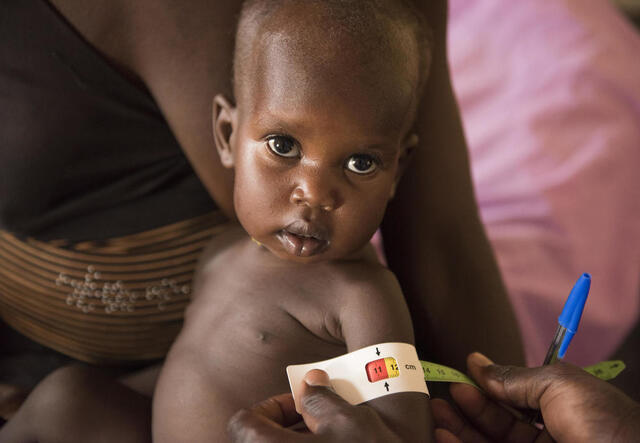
(327, 416)
(575, 406)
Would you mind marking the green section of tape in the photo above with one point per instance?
(605, 370)
(435, 372)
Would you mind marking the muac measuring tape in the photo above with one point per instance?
(388, 368)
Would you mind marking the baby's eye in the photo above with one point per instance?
(283, 146)
(362, 164)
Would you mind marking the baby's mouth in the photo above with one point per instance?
(304, 239)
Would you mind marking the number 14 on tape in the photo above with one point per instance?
(387, 368)
(605, 370)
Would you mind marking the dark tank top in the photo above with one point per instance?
(85, 153)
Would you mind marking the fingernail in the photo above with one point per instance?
(479, 359)
(317, 377)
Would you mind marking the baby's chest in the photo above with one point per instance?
(251, 346)
(273, 333)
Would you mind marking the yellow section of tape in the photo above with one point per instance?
(605, 370)
(392, 367)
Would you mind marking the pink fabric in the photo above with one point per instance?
(550, 98)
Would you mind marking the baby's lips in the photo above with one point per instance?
(304, 228)
(301, 246)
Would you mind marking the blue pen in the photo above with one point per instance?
(567, 326)
(569, 319)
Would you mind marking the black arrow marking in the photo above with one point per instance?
(377, 352)
(386, 385)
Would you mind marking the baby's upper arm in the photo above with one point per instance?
(374, 311)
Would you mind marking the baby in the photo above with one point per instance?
(318, 136)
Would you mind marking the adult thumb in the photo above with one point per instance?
(520, 387)
(265, 421)
(319, 404)
(332, 418)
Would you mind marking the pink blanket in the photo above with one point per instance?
(550, 98)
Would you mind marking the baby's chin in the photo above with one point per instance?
(283, 254)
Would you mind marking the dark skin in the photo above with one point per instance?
(316, 156)
(254, 314)
(435, 242)
(575, 405)
(327, 416)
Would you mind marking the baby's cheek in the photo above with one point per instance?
(250, 207)
(361, 222)
(259, 194)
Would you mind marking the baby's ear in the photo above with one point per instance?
(224, 125)
(408, 145)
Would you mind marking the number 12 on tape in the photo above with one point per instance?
(388, 368)
(367, 373)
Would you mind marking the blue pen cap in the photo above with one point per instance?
(572, 311)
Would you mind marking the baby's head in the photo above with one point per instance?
(326, 93)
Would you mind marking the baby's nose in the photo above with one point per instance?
(302, 198)
(315, 193)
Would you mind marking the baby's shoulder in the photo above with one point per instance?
(364, 280)
(221, 249)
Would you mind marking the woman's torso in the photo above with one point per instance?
(102, 217)
(86, 153)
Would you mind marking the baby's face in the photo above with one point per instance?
(316, 148)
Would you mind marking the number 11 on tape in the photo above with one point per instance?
(389, 368)
(367, 373)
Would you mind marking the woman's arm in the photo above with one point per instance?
(434, 240)
(184, 55)
(182, 52)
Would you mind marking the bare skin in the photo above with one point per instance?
(575, 406)
(434, 239)
(318, 143)
(254, 314)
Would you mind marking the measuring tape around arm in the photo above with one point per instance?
(388, 368)
(605, 370)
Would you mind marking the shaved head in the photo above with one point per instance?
(365, 39)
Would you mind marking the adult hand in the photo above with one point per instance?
(575, 406)
(327, 416)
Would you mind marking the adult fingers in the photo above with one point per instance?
(575, 405)
(445, 436)
(264, 422)
(320, 406)
(279, 409)
(327, 414)
(490, 418)
(450, 427)
(518, 387)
